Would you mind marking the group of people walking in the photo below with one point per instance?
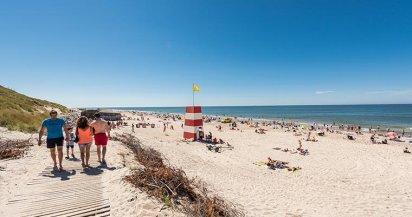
(85, 132)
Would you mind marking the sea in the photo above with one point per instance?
(393, 116)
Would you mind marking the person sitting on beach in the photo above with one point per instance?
(55, 137)
(208, 137)
(70, 142)
(406, 150)
(214, 141)
(373, 139)
(201, 135)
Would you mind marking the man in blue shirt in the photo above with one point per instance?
(55, 136)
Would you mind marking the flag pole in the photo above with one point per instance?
(193, 94)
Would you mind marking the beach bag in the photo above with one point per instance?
(76, 140)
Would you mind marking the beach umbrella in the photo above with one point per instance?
(392, 134)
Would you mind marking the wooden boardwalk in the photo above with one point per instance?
(73, 192)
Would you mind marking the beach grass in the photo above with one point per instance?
(22, 113)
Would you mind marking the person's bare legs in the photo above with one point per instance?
(82, 150)
(104, 154)
(53, 156)
(99, 153)
(87, 154)
(60, 155)
(67, 152)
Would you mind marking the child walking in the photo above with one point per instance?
(70, 142)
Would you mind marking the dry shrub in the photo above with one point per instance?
(13, 149)
(171, 185)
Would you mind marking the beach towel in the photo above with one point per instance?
(259, 163)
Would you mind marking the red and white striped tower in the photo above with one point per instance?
(193, 121)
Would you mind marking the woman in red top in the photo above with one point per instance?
(85, 135)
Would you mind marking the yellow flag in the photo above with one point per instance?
(196, 88)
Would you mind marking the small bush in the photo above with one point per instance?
(12, 149)
(171, 185)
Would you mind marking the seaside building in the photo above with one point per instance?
(106, 114)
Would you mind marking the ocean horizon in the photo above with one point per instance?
(392, 116)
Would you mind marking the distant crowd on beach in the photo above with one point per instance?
(312, 131)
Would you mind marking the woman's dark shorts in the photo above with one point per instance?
(52, 143)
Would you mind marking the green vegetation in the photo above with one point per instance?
(23, 113)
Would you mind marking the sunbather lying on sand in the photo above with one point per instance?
(397, 139)
(273, 164)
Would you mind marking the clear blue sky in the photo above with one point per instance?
(148, 53)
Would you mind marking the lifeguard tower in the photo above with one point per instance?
(193, 122)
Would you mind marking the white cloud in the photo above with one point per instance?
(391, 92)
(324, 92)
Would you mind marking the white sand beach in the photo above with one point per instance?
(339, 177)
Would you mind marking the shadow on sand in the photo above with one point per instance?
(63, 175)
(105, 167)
(92, 171)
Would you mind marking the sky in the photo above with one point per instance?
(100, 53)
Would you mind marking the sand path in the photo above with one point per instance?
(73, 192)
